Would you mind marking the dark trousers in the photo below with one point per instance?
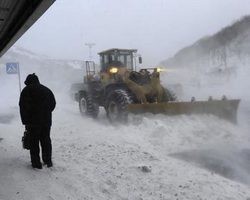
(40, 134)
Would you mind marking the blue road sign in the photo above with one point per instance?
(12, 68)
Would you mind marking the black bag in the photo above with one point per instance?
(26, 140)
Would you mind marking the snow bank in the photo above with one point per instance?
(95, 160)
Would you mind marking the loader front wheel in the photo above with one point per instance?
(116, 106)
(88, 107)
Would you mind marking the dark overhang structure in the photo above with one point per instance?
(16, 17)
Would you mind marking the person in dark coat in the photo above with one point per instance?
(36, 105)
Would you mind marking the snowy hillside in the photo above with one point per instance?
(220, 62)
(153, 157)
(49, 70)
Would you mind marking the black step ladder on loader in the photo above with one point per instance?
(90, 71)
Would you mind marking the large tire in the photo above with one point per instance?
(169, 96)
(88, 107)
(116, 105)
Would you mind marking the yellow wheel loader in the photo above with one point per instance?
(120, 89)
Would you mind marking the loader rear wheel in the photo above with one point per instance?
(88, 107)
(116, 105)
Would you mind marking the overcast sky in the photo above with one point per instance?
(157, 28)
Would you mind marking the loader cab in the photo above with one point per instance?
(117, 58)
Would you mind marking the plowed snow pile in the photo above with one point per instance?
(151, 157)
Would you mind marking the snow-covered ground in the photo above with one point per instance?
(151, 157)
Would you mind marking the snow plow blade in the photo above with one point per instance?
(226, 109)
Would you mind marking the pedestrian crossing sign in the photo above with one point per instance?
(12, 68)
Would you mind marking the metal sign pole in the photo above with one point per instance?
(13, 68)
(19, 77)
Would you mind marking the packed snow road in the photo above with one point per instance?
(151, 157)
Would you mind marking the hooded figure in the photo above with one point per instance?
(36, 105)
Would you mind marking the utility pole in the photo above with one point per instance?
(90, 45)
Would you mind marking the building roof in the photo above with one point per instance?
(16, 17)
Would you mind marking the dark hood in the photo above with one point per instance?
(31, 79)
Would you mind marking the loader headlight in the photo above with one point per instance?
(113, 70)
(159, 69)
